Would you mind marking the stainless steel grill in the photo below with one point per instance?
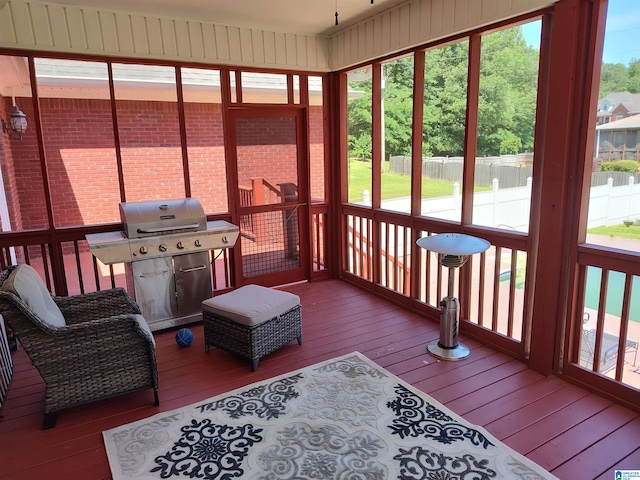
(165, 245)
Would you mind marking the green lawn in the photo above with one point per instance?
(620, 231)
(393, 184)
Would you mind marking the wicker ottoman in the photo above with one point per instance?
(252, 321)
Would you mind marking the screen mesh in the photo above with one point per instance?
(272, 243)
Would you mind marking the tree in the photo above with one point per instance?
(507, 107)
(613, 78)
(445, 100)
(617, 77)
(508, 91)
(633, 76)
(359, 116)
(360, 147)
(398, 106)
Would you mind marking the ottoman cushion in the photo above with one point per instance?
(251, 305)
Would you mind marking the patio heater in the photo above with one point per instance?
(453, 250)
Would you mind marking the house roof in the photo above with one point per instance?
(630, 101)
(62, 78)
(629, 123)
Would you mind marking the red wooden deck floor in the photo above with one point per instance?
(567, 430)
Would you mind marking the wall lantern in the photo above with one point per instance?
(17, 125)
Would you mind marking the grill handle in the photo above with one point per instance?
(193, 269)
(154, 274)
(168, 229)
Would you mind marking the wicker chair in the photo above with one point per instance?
(103, 347)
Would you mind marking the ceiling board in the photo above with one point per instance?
(309, 17)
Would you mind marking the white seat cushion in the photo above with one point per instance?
(251, 304)
(26, 283)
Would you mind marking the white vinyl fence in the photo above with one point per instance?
(609, 205)
(509, 207)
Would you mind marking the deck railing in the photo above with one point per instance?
(68, 267)
(498, 290)
(495, 281)
(607, 330)
(395, 257)
(261, 192)
(247, 226)
(359, 249)
(319, 247)
(6, 365)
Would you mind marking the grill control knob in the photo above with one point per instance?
(162, 247)
(144, 250)
(197, 243)
(180, 245)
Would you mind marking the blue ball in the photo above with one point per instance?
(184, 337)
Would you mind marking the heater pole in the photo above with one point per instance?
(453, 250)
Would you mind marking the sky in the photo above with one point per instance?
(622, 34)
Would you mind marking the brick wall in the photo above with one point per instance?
(205, 147)
(81, 158)
(22, 174)
(619, 110)
(6, 164)
(316, 147)
(266, 149)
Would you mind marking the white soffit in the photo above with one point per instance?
(273, 34)
(63, 28)
(418, 22)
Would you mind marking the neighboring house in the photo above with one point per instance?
(616, 106)
(618, 140)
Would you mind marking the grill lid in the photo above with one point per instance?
(160, 217)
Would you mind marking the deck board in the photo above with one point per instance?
(564, 448)
(508, 395)
(630, 462)
(613, 448)
(558, 422)
(567, 430)
(528, 415)
(469, 383)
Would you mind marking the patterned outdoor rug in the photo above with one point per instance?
(346, 418)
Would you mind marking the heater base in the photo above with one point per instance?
(458, 353)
